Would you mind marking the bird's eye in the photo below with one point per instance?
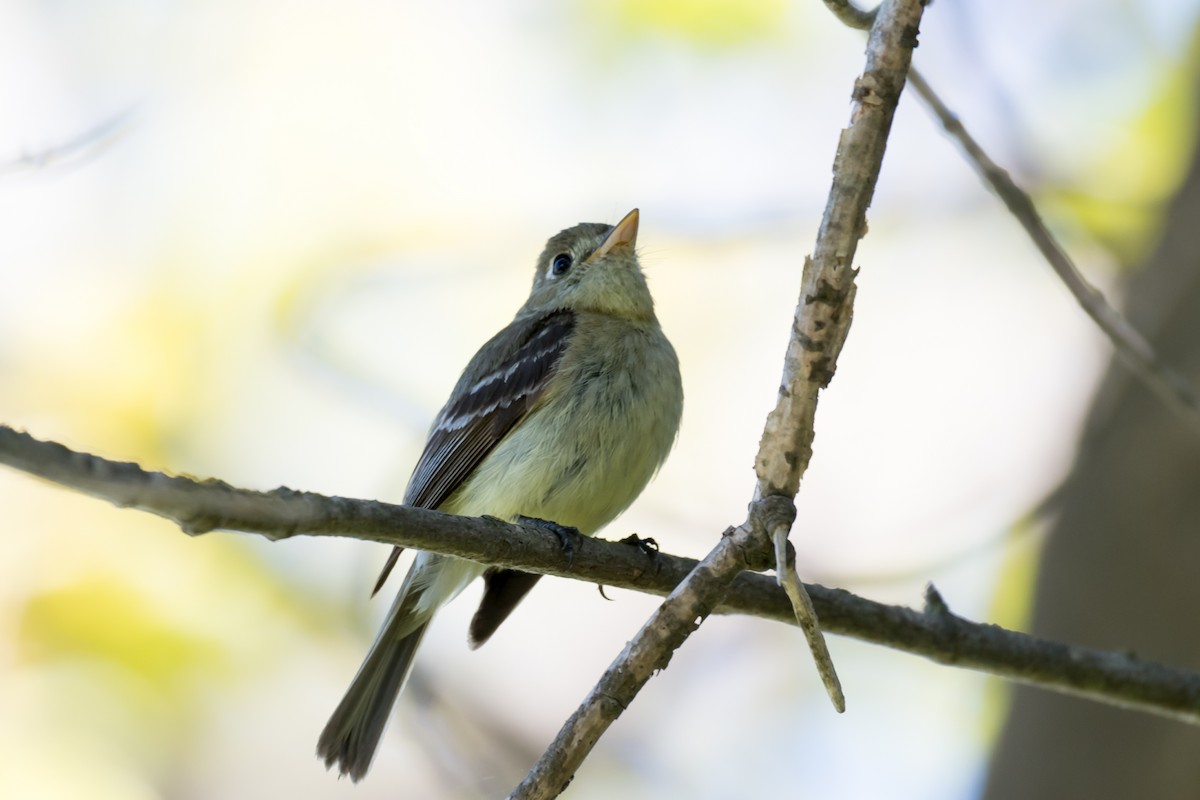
(562, 263)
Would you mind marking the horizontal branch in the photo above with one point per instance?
(1115, 678)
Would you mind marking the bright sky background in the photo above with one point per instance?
(310, 215)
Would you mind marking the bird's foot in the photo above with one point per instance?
(647, 545)
(568, 537)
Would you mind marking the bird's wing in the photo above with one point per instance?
(497, 390)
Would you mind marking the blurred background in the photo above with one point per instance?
(258, 240)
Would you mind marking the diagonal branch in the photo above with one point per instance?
(1133, 349)
(1114, 678)
(83, 147)
(823, 316)
(647, 653)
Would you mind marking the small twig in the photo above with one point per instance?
(1114, 678)
(806, 617)
(850, 15)
(85, 146)
(1131, 347)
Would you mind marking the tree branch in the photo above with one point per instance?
(819, 329)
(1175, 391)
(1133, 349)
(826, 309)
(850, 15)
(1114, 678)
(198, 506)
(646, 653)
(78, 150)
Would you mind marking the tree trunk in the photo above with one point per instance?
(1121, 566)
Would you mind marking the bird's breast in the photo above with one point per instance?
(602, 429)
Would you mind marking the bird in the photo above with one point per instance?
(561, 418)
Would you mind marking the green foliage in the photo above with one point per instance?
(105, 619)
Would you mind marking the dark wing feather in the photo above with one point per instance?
(496, 391)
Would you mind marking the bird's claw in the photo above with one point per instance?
(567, 536)
(647, 545)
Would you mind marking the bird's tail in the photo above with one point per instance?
(352, 733)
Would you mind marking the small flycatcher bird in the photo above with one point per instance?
(563, 417)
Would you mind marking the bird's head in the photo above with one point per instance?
(593, 267)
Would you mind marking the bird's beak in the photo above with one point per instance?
(623, 233)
